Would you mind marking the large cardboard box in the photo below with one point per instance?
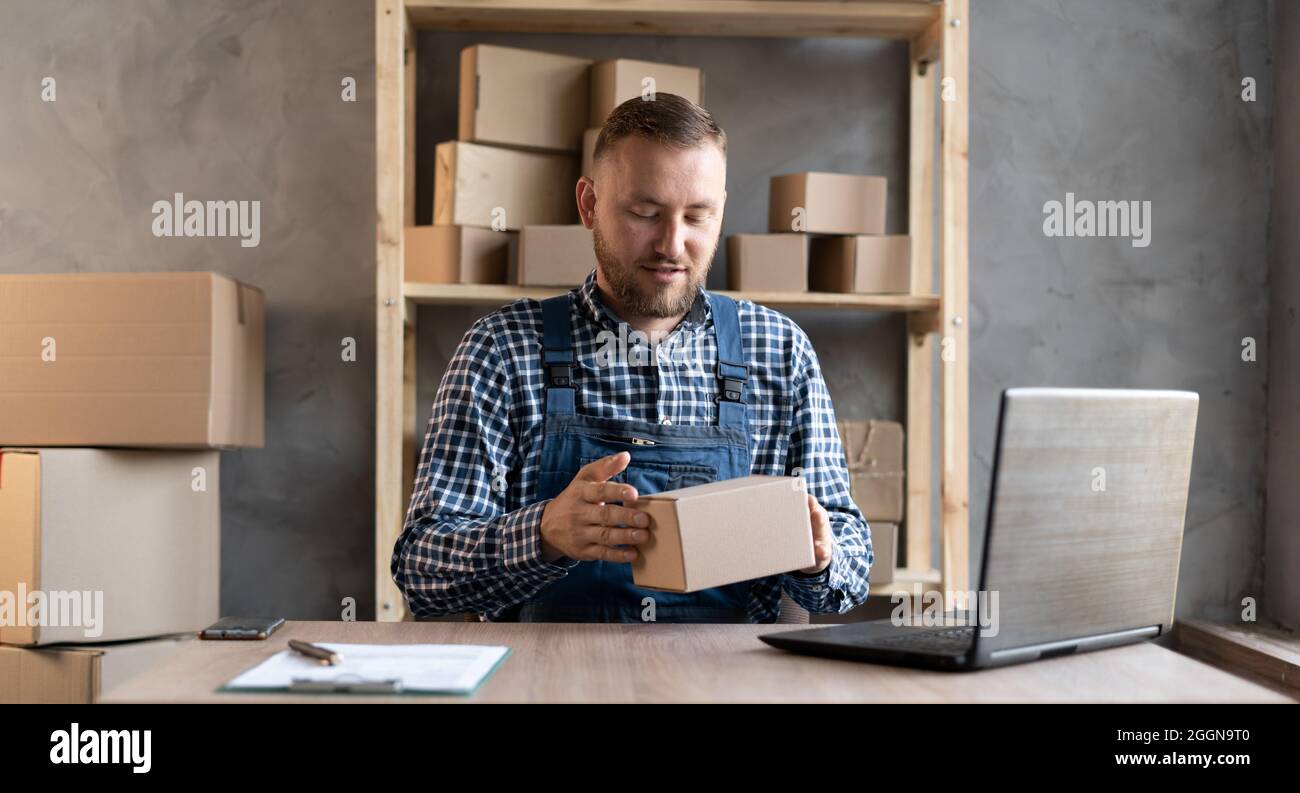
(832, 203)
(473, 185)
(767, 262)
(131, 359)
(554, 256)
(863, 263)
(515, 97)
(614, 82)
(874, 452)
(77, 675)
(723, 533)
(456, 254)
(589, 150)
(102, 545)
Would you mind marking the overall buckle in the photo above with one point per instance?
(560, 375)
(731, 388)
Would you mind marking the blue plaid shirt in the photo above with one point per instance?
(471, 542)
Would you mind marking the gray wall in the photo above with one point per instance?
(231, 100)
(1108, 100)
(1282, 540)
(1121, 100)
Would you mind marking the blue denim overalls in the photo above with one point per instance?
(664, 457)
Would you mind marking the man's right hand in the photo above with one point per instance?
(580, 523)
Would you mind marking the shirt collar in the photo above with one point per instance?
(592, 307)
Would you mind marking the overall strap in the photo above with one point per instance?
(732, 371)
(557, 355)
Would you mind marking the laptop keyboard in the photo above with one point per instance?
(944, 640)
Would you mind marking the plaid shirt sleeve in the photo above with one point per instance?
(467, 546)
(816, 451)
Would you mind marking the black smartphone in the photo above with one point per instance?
(242, 628)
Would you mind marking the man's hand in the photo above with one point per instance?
(823, 537)
(580, 523)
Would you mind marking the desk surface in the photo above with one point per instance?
(696, 663)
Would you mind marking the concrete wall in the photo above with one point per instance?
(1109, 100)
(1282, 532)
(230, 100)
(1117, 100)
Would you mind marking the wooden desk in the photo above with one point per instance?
(697, 663)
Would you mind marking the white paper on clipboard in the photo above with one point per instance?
(421, 668)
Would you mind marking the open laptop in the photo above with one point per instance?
(1084, 534)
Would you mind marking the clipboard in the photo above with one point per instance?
(406, 669)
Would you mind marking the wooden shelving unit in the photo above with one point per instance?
(938, 36)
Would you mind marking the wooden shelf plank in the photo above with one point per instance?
(1262, 653)
(500, 294)
(894, 19)
(390, 164)
(904, 578)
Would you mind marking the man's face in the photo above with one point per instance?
(655, 213)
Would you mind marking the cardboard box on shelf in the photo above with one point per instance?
(456, 254)
(884, 544)
(831, 203)
(77, 675)
(874, 453)
(723, 533)
(131, 359)
(525, 98)
(103, 545)
(767, 262)
(554, 256)
(872, 264)
(589, 150)
(476, 185)
(616, 81)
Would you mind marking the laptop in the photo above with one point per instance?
(1084, 533)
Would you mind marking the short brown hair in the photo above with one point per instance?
(667, 118)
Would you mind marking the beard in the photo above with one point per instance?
(669, 300)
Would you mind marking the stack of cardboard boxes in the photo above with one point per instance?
(115, 392)
(873, 452)
(827, 234)
(504, 209)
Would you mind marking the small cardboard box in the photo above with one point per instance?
(456, 254)
(131, 359)
(723, 533)
(874, 453)
(864, 263)
(524, 98)
(589, 150)
(473, 185)
(77, 675)
(102, 545)
(554, 256)
(832, 203)
(614, 82)
(767, 262)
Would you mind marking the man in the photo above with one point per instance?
(543, 433)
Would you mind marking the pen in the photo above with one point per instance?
(326, 657)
